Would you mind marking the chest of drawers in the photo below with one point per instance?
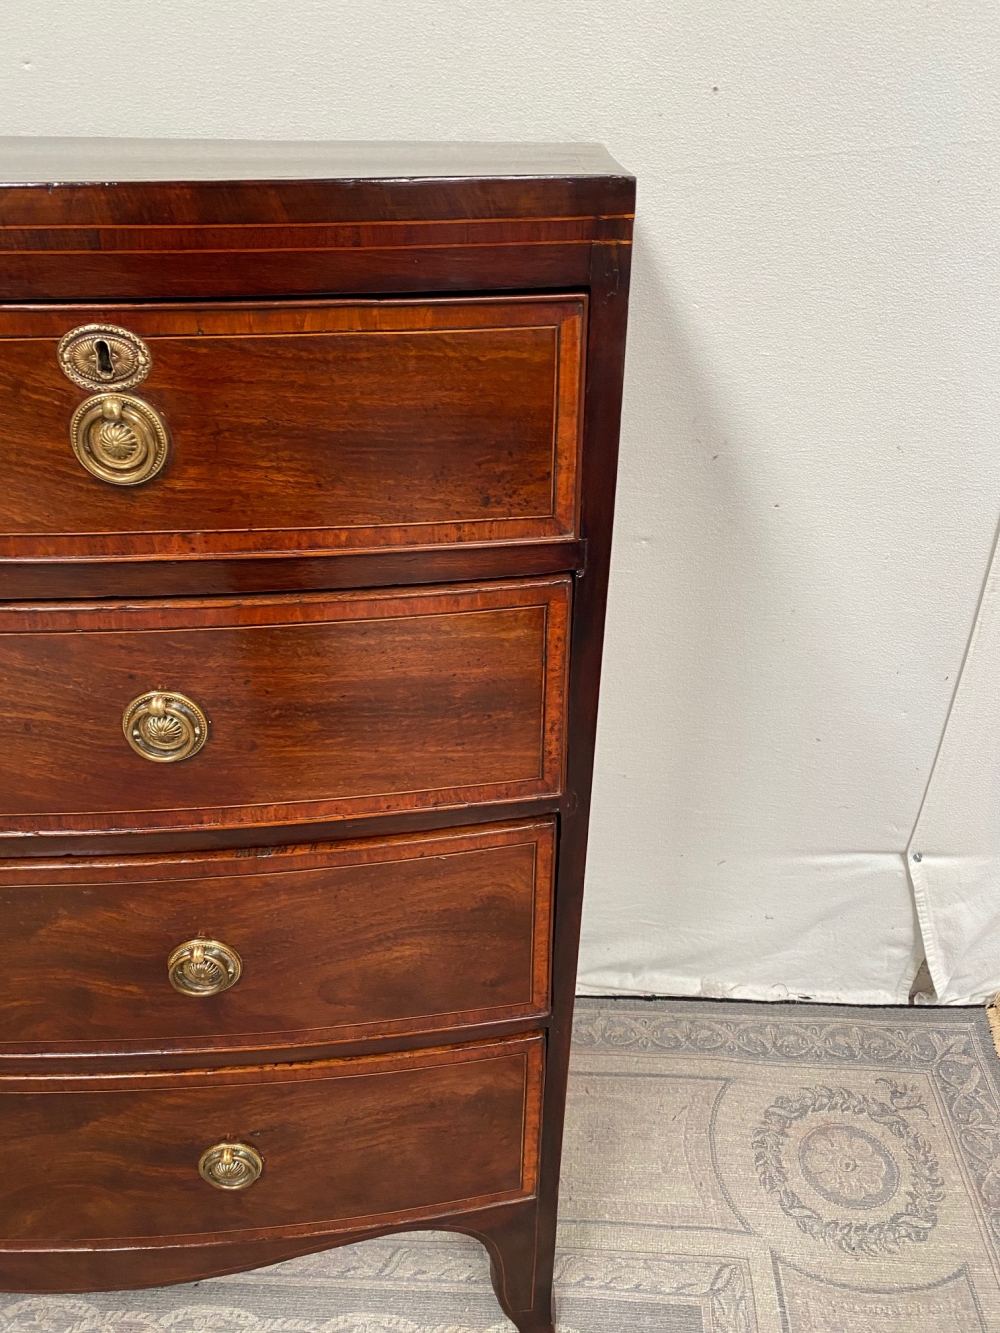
(308, 470)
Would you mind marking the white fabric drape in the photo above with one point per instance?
(954, 855)
(756, 927)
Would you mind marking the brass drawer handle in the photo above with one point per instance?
(231, 1166)
(203, 967)
(165, 727)
(99, 356)
(119, 439)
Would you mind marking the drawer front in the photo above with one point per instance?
(331, 943)
(341, 1143)
(318, 707)
(302, 428)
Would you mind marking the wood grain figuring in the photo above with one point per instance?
(488, 218)
(530, 262)
(248, 838)
(342, 942)
(319, 707)
(448, 322)
(507, 1230)
(304, 428)
(309, 238)
(108, 577)
(609, 287)
(345, 1144)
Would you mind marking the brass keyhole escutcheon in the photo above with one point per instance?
(165, 727)
(203, 967)
(231, 1166)
(103, 356)
(119, 438)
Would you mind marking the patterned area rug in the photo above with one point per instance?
(730, 1168)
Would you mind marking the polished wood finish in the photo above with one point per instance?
(338, 426)
(342, 942)
(319, 707)
(507, 1231)
(29, 580)
(119, 220)
(345, 1144)
(505, 176)
(313, 233)
(609, 285)
(247, 837)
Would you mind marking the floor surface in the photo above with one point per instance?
(729, 1168)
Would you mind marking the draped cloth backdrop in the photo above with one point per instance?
(954, 855)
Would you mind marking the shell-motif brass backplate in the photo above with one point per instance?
(119, 439)
(203, 967)
(231, 1166)
(164, 727)
(103, 356)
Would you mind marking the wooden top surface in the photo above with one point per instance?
(66, 161)
(199, 183)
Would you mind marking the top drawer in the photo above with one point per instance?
(291, 427)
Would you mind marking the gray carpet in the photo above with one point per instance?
(730, 1168)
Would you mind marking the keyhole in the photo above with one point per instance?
(105, 366)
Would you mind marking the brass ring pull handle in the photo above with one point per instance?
(203, 967)
(103, 356)
(231, 1166)
(165, 728)
(119, 439)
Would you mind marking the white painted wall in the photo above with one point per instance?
(810, 475)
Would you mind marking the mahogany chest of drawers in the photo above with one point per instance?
(308, 465)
